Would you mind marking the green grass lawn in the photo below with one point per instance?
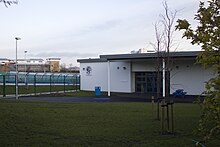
(34, 123)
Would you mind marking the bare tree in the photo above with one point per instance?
(164, 30)
(63, 67)
(158, 47)
(168, 20)
(9, 2)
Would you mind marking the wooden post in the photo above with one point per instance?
(159, 100)
(163, 118)
(168, 124)
(158, 109)
(172, 125)
(152, 102)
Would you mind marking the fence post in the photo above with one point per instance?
(78, 85)
(64, 82)
(50, 83)
(15, 85)
(35, 91)
(26, 81)
(4, 86)
(74, 83)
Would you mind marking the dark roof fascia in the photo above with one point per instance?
(91, 60)
(150, 55)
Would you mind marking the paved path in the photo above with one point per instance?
(84, 99)
(114, 98)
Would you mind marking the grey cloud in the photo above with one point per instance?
(97, 28)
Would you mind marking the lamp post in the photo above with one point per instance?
(25, 66)
(16, 66)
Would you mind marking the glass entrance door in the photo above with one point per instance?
(140, 82)
(146, 82)
(151, 84)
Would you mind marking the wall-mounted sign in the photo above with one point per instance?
(88, 70)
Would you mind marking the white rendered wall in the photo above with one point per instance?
(185, 75)
(119, 74)
(189, 76)
(97, 76)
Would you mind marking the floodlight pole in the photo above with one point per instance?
(16, 68)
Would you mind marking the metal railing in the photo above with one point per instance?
(37, 83)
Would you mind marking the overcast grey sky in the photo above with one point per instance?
(72, 29)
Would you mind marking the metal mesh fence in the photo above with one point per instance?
(37, 83)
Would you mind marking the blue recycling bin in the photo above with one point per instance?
(97, 90)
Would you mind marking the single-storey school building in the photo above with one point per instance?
(137, 73)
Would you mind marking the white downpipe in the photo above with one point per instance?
(109, 80)
(164, 79)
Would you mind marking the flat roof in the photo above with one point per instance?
(151, 55)
(105, 58)
(91, 60)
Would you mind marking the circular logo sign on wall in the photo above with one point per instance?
(88, 70)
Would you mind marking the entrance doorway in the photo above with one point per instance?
(146, 82)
